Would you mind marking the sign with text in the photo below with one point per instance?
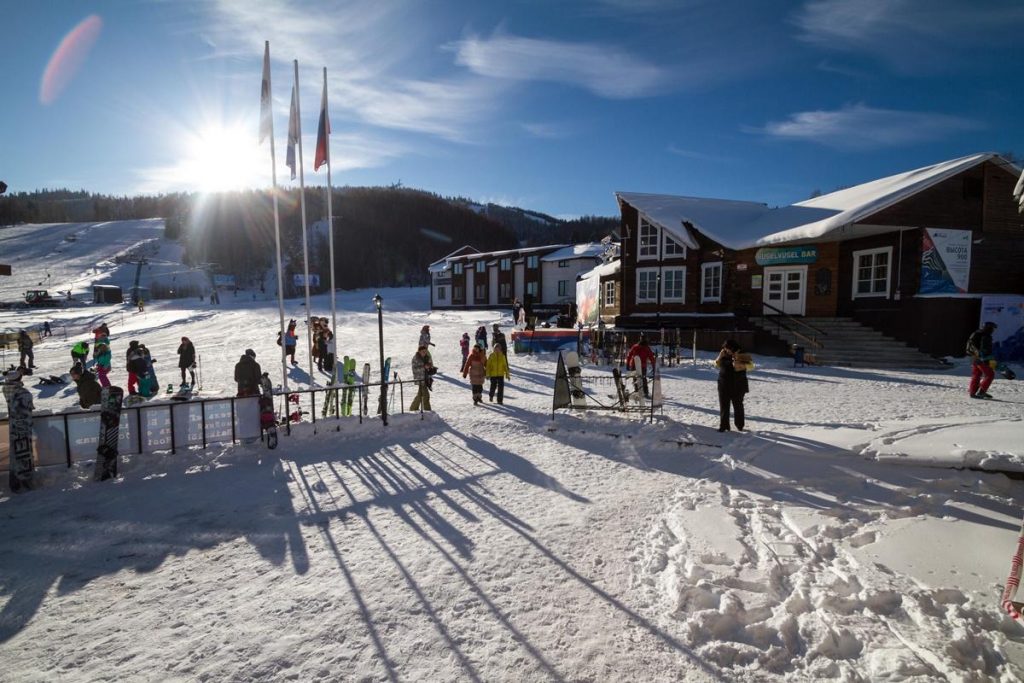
(223, 280)
(300, 280)
(945, 261)
(780, 256)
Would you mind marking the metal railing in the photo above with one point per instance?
(781, 316)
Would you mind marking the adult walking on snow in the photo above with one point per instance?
(497, 372)
(425, 336)
(641, 350)
(247, 374)
(498, 339)
(187, 360)
(481, 336)
(979, 348)
(25, 345)
(422, 369)
(732, 366)
(476, 369)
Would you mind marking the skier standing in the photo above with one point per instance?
(102, 356)
(732, 366)
(247, 374)
(498, 339)
(25, 345)
(88, 387)
(464, 345)
(187, 360)
(497, 371)
(641, 350)
(979, 347)
(476, 369)
(47, 332)
(422, 365)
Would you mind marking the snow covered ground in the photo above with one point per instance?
(831, 542)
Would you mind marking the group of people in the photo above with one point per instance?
(323, 344)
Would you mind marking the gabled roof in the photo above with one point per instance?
(591, 250)
(741, 225)
(441, 264)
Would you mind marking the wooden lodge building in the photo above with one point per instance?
(909, 255)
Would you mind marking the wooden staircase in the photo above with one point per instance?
(845, 342)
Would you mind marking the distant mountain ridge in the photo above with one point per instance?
(534, 228)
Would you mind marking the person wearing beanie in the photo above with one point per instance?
(247, 374)
(422, 367)
(187, 360)
(476, 369)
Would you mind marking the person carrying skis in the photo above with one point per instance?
(464, 345)
(247, 374)
(732, 366)
(498, 339)
(979, 348)
(641, 350)
(425, 336)
(25, 345)
(88, 387)
(80, 353)
(476, 369)
(187, 360)
(422, 365)
(102, 356)
(481, 336)
(135, 365)
(497, 371)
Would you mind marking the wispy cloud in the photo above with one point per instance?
(697, 156)
(605, 70)
(549, 130)
(861, 127)
(910, 34)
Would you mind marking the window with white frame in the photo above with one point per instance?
(673, 285)
(711, 282)
(457, 268)
(646, 285)
(563, 286)
(532, 261)
(481, 292)
(442, 293)
(563, 264)
(672, 247)
(647, 240)
(505, 290)
(531, 288)
(871, 272)
(481, 266)
(505, 264)
(609, 293)
(456, 293)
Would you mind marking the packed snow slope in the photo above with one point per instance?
(497, 543)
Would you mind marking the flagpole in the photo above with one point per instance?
(330, 219)
(302, 204)
(267, 102)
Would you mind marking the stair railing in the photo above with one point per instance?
(785, 321)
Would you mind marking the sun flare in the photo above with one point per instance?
(222, 158)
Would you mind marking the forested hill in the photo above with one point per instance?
(383, 235)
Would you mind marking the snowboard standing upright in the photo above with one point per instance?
(365, 391)
(19, 411)
(110, 429)
(350, 380)
(572, 367)
(268, 421)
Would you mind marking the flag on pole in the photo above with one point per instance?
(266, 112)
(322, 131)
(1018, 191)
(293, 133)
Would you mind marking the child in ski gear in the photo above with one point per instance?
(102, 356)
(732, 366)
(101, 332)
(88, 387)
(135, 365)
(476, 369)
(422, 364)
(187, 360)
(481, 336)
(25, 344)
(425, 336)
(247, 374)
(979, 348)
(497, 371)
(641, 350)
(80, 352)
(47, 332)
(498, 339)
(464, 345)
(291, 342)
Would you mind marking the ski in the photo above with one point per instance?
(349, 379)
(110, 429)
(19, 411)
(620, 388)
(365, 391)
(572, 367)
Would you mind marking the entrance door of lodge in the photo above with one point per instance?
(785, 289)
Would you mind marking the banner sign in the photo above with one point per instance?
(945, 261)
(588, 300)
(1006, 311)
(223, 280)
(781, 256)
(300, 280)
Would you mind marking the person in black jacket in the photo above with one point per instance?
(979, 347)
(247, 374)
(732, 383)
(187, 360)
(25, 344)
(88, 388)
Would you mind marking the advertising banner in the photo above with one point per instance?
(223, 280)
(945, 261)
(300, 280)
(588, 300)
(1006, 311)
(781, 256)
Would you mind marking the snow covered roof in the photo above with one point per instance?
(603, 270)
(504, 252)
(442, 264)
(741, 225)
(588, 250)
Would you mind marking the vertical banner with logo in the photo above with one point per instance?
(945, 261)
(588, 300)
(1006, 311)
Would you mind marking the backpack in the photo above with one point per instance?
(972, 345)
(279, 337)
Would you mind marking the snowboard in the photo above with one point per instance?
(350, 379)
(19, 412)
(635, 373)
(365, 391)
(184, 393)
(572, 367)
(268, 420)
(110, 429)
(54, 379)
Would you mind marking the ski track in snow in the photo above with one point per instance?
(494, 543)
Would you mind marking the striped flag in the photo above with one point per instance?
(293, 133)
(1018, 192)
(323, 130)
(266, 114)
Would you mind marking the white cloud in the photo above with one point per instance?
(604, 70)
(697, 156)
(861, 127)
(549, 130)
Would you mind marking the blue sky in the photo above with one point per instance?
(547, 104)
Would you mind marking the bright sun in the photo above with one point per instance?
(222, 158)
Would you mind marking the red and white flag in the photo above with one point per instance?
(293, 133)
(323, 130)
(266, 111)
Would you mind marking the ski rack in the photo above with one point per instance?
(562, 395)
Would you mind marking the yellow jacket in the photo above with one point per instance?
(497, 365)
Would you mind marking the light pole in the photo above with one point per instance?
(379, 302)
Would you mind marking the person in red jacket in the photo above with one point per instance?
(641, 350)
